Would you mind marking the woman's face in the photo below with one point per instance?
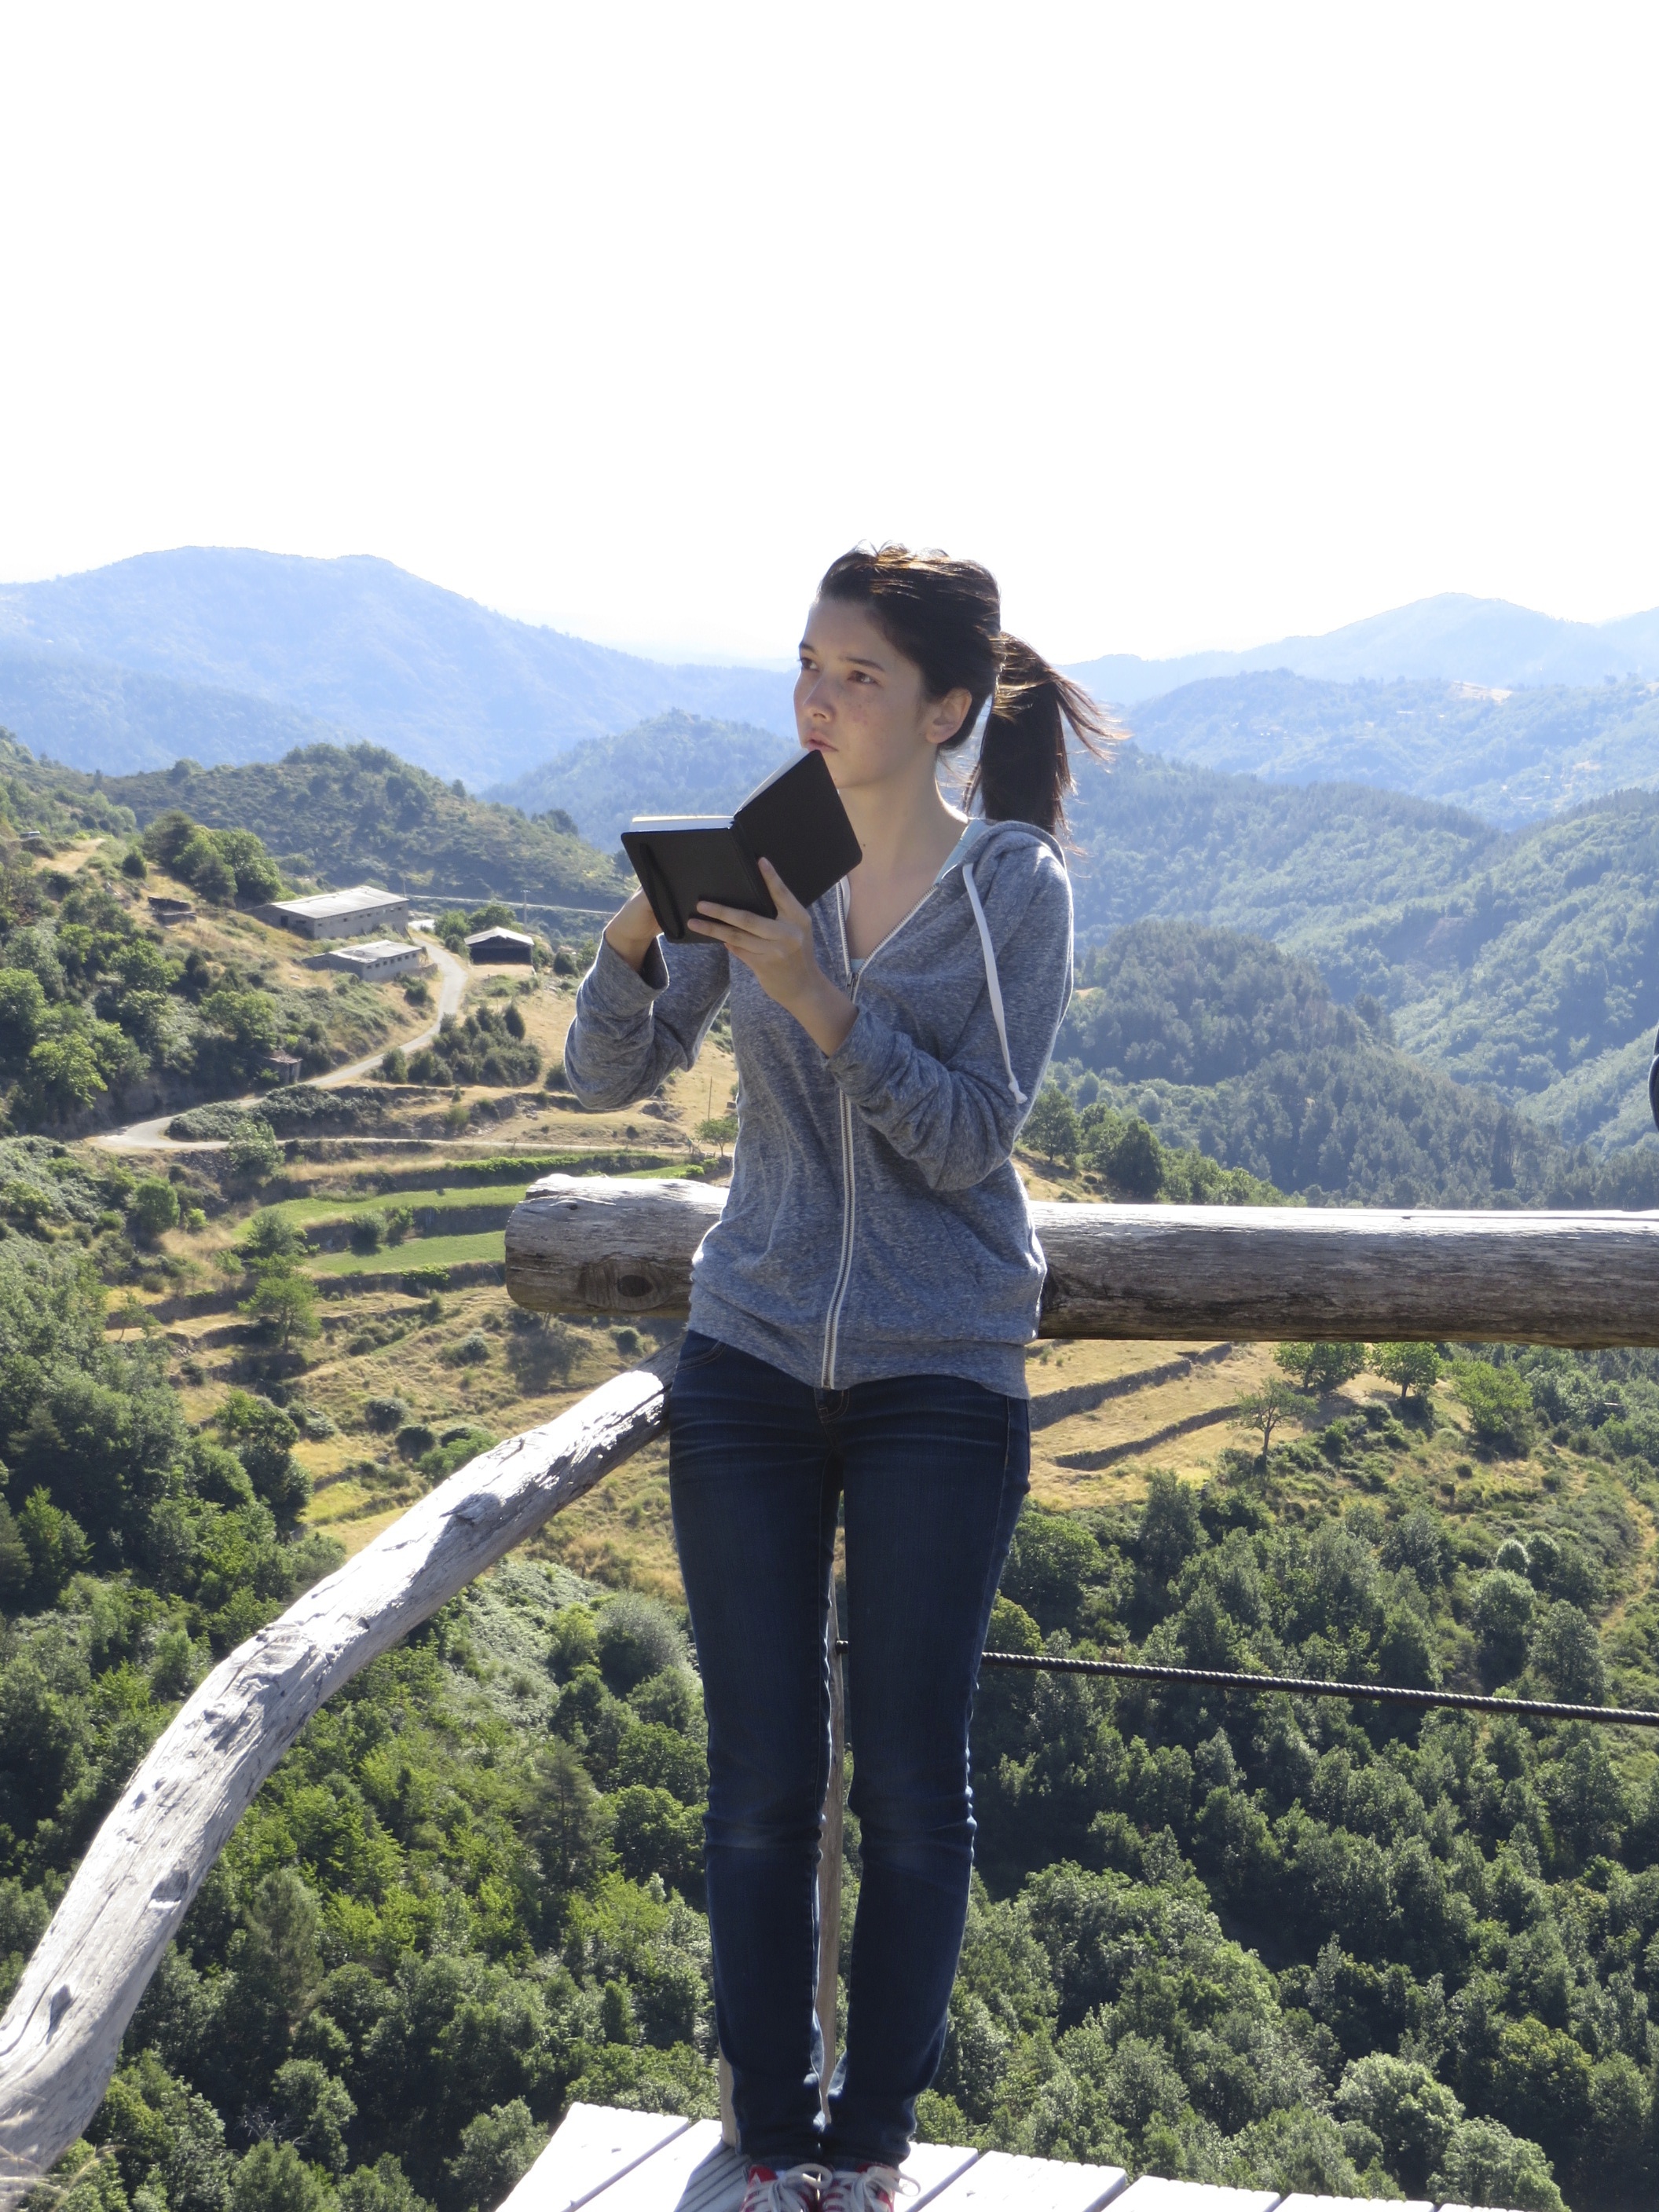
(861, 704)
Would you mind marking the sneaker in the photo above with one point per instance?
(862, 2188)
(796, 2190)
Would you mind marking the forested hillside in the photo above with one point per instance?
(676, 763)
(1511, 757)
(1223, 1042)
(351, 814)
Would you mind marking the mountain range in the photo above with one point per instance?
(356, 647)
(1450, 638)
(227, 656)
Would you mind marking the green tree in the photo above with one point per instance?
(205, 869)
(286, 1302)
(1484, 2164)
(63, 1075)
(718, 1129)
(22, 1011)
(1503, 1615)
(1412, 1367)
(270, 1235)
(154, 1208)
(1051, 1127)
(274, 2177)
(16, 1564)
(55, 1541)
(317, 2110)
(1320, 1367)
(1265, 1410)
(497, 2150)
(264, 1438)
(247, 1018)
(382, 2187)
(1414, 2117)
(1567, 1652)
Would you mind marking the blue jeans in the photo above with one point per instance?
(932, 1473)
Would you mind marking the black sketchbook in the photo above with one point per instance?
(795, 820)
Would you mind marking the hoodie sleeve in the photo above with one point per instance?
(956, 1120)
(631, 1031)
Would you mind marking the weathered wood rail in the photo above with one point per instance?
(626, 1248)
(603, 1244)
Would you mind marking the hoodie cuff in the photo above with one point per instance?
(863, 1061)
(612, 987)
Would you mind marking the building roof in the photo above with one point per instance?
(498, 935)
(323, 906)
(376, 948)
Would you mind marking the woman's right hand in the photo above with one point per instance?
(632, 931)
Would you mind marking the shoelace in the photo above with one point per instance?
(799, 2189)
(870, 2188)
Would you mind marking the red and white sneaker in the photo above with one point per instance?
(798, 2190)
(862, 2188)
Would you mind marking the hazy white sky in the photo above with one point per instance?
(1200, 324)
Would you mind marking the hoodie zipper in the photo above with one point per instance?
(848, 1172)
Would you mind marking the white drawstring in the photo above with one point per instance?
(993, 981)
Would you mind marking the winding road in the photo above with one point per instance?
(151, 1136)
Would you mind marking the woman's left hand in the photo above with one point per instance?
(778, 952)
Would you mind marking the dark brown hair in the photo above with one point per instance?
(946, 616)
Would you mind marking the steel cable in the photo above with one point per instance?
(1301, 1685)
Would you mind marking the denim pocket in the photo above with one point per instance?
(697, 1351)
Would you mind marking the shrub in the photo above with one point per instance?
(385, 1414)
(366, 1232)
(1499, 1404)
(253, 1153)
(637, 1639)
(394, 1067)
(471, 1351)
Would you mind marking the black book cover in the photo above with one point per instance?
(795, 820)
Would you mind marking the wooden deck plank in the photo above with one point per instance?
(1152, 2194)
(1001, 2183)
(930, 2169)
(675, 2176)
(592, 2146)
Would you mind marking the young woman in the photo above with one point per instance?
(858, 1327)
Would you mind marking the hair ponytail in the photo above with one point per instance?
(1024, 768)
(946, 616)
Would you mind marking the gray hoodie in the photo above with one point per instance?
(875, 1225)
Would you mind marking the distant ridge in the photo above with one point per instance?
(1450, 638)
(361, 646)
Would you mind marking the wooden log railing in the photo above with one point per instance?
(1274, 1274)
(596, 1244)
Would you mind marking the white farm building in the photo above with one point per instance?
(380, 957)
(362, 911)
